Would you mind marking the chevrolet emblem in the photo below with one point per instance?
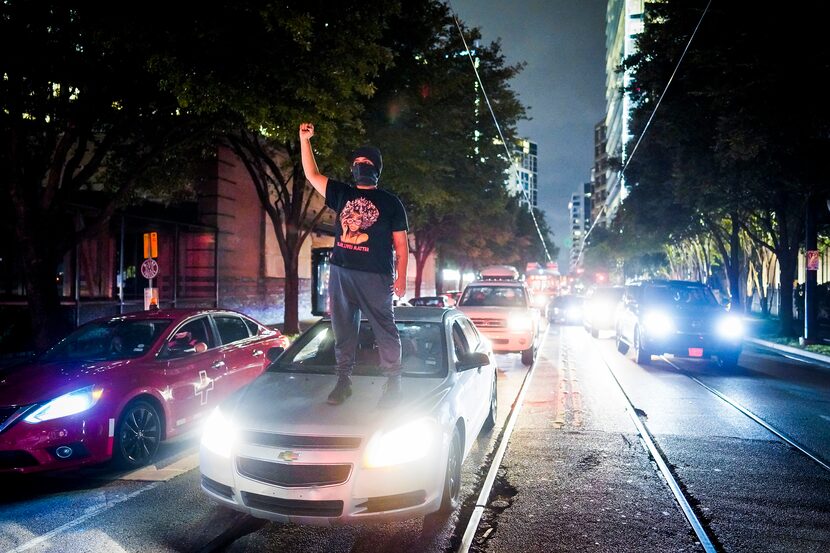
(288, 456)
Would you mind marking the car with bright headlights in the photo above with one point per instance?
(677, 317)
(277, 450)
(501, 307)
(117, 386)
(600, 309)
(567, 309)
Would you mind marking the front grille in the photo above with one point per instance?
(292, 476)
(490, 323)
(16, 460)
(217, 487)
(289, 441)
(295, 507)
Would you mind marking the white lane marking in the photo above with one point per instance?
(80, 520)
(154, 474)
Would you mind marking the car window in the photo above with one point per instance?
(422, 351)
(231, 329)
(680, 295)
(108, 340)
(470, 333)
(494, 296)
(459, 341)
(184, 339)
(253, 328)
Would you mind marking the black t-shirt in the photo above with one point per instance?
(366, 219)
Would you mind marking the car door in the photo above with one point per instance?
(194, 378)
(482, 375)
(469, 381)
(244, 354)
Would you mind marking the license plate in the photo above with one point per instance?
(695, 352)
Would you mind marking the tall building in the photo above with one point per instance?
(624, 21)
(580, 221)
(599, 192)
(523, 172)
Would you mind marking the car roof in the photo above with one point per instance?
(418, 314)
(669, 282)
(171, 314)
(514, 283)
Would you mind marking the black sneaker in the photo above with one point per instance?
(391, 393)
(342, 390)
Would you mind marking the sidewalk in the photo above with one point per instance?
(763, 333)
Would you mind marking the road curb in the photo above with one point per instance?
(798, 353)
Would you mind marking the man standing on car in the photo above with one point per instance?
(371, 223)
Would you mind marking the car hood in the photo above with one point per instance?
(296, 404)
(36, 382)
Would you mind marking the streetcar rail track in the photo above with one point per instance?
(648, 442)
(736, 405)
(501, 447)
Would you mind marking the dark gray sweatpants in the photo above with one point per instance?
(352, 293)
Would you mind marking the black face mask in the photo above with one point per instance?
(365, 174)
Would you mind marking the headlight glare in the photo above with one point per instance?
(219, 434)
(406, 443)
(67, 404)
(730, 327)
(659, 324)
(519, 322)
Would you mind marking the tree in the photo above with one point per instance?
(428, 117)
(742, 125)
(83, 112)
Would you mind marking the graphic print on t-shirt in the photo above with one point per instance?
(357, 216)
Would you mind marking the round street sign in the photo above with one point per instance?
(149, 269)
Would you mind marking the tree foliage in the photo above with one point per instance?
(737, 136)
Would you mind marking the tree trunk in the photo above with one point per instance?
(291, 295)
(734, 266)
(788, 261)
(43, 300)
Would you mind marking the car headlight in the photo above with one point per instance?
(219, 434)
(406, 443)
(658, 323)
(519, 322)
(67, 404)
(730, 327)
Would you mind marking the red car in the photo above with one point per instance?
(116, 387)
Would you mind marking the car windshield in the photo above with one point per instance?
(423, 353)
(493, 296)
(108, 340)
(427, 302)
(607, 295)
(564, 302)
(680, 295)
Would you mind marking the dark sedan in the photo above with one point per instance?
(678, 317)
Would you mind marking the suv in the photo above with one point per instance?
(499, 305)
(678, 317)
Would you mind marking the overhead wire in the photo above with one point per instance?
(604, 207)
(501, 135)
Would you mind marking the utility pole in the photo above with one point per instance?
(811, 274)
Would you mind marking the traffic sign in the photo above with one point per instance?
(151, 244)
(149, 269)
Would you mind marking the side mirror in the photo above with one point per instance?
(200, 347)
(274, 353)
(473, 360)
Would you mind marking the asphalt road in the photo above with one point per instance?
(575, 476)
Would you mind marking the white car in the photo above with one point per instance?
(501, 309)
(276, 450)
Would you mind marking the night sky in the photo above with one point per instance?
(563, 84)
